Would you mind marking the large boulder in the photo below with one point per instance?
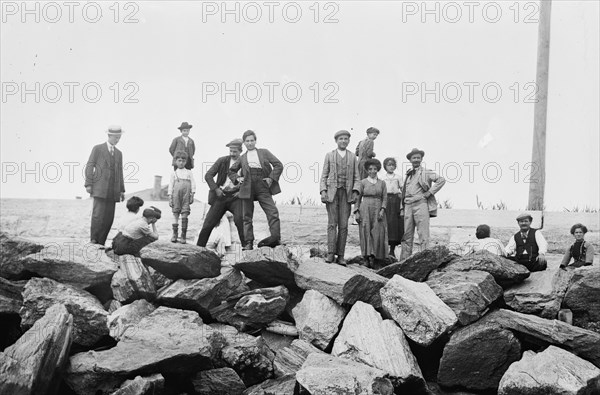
(418, 266)
(581, 342)
(553, 371)
(181, 261)
(82, 265)
(11, 299)
(279, 386)
(89, 316)
(421, 314)
(218, 381)
(249, 358)
(127, 317)
(323, 374)
(468, 294)
(132, 281)
(252, 308)
(203, 294)
(583, 295)
(504, 271)
(341, 284)
(150, 385)
(35, 363)
(165, 341)
(12, 252)
(289, 360)
(367, 338)
(269, 266)
(318, 318)
(477, 356)
(541, 293)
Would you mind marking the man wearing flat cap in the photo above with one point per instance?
(104, 182)
(528, 246)
(222, 194)
(339, 190)
(184, 143)
(418, 201)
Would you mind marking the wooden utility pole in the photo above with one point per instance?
(538, 155)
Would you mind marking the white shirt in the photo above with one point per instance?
(511, 247)
(253, 159)
(342, 153)
(185, 140)
(228, 182)
(125, 220)
(490, 244)
(182, 174)
(110, 148)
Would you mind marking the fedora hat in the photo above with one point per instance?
(114, 130)
(415, 151)
(185, 125)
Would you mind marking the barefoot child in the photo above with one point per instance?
(182, 188)
(137, 234)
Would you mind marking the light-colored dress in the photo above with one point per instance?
(372, 232)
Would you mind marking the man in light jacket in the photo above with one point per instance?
(419, 202)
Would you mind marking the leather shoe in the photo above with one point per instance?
(341, 261)
(330, 258)
(248, 246)
(269, 242)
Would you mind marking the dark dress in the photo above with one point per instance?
(372, 232)
(395, 223)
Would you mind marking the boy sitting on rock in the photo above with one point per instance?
(137, 234)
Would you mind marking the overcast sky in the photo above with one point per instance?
(296, 72)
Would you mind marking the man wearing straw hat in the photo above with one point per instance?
(104, 182)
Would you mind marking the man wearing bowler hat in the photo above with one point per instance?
(418, 201)
(339, 189)
(184, 143)
(222, 194)
(104, 182)
(528, 246)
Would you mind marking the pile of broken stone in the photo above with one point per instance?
(182, 319)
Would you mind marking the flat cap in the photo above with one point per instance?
(524, 216)
(234, 143)
(341, 133)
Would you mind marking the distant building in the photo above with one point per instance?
(157, 193)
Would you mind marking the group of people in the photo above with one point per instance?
(387, 210)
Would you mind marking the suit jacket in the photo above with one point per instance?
(271, 168)
(178, 144)
(426, 178)
(220, 169)
(329, 175)
(97, 173)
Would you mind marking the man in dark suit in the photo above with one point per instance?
(223, 195)
(184, 143)
(259, 181)
(104, 182)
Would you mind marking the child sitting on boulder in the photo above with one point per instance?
(137, 234)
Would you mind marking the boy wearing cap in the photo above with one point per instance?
(181, 190)
(528, 246)
(184, 143)
(104, 182)
(137, 234)
(222, 194)
(339, 188)
(364, 150)
(418, 202)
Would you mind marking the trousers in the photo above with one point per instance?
(216, 212)
(103, 215)
(260, 191)
(416, 215)
(338, 213)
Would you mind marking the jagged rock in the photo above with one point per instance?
(82, 265)
(417, 309)
(166, 341)
(89, 316)
(201, 295)
(181, 261)
(583, 295)
(34, 364)
(553, 371)
(477, 356)
(132, 281)
(289, 360)
(128, 317)
(280, 386)
(275, 341)
(581, 342)
(11, 299)
(367, 338)
(255, 308)
(218, 381)
(541, 293)
(323, 374)
(468, 294)
(158, 278)
(504, 271)
(248, 359)
(12, 252)
(435, 389)
(318, 318)
(112, 305)
(418, 266)
(269, 266)
(340, 283)
(150, 385)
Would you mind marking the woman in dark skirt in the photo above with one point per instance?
(395, 223)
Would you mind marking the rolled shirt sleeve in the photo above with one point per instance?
(511, 246)
(541, 242)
